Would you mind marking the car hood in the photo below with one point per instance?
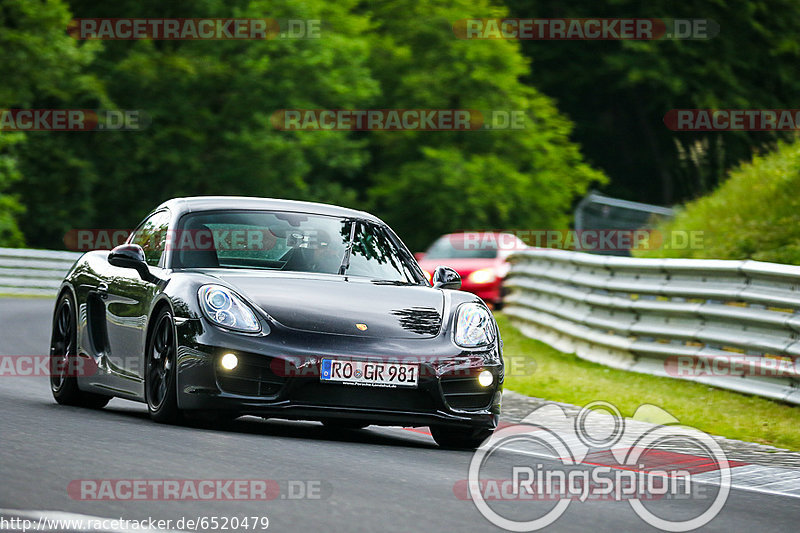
(329, 304)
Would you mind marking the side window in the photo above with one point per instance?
(151, 235)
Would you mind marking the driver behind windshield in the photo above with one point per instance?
(313, 252)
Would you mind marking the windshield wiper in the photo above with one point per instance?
(346, 259)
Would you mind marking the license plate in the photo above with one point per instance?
(370, 373)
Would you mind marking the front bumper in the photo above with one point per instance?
(278, 379)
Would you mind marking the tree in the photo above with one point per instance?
(425, 183)
(618, 92)
(210, 105)
(754, 214)
(41, 65)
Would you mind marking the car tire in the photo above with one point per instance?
(160, 378)
(63, 356)
(458, 438)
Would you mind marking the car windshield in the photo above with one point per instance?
(461, 247)
(291, 242)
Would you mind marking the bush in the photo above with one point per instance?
(755, 214)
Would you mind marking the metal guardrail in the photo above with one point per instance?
(33, 272)
(731, 324)
(738, 319)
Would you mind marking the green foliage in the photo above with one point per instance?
(42, 67)
(210, 103)
(427, 183)
(41, 62)
(618, 92)
(10, 208)
(755, 214)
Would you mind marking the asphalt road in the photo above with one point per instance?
(378, 479)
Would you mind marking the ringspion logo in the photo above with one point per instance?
(597, 456)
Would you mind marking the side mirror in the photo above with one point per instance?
(130, 256)
(446, 278)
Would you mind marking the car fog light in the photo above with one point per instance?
(485, 378)
(229, 361)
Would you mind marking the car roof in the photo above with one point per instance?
(208, 203)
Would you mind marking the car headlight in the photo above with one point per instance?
(223, 307)
(474, 326)
(484, 275)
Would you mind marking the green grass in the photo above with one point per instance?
(536, 369)
(753, 214)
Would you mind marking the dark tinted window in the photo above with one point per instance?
(151, 235)
(289, 242)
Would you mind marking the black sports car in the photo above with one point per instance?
(231, 306)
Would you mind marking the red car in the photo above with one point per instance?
(478, 257)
